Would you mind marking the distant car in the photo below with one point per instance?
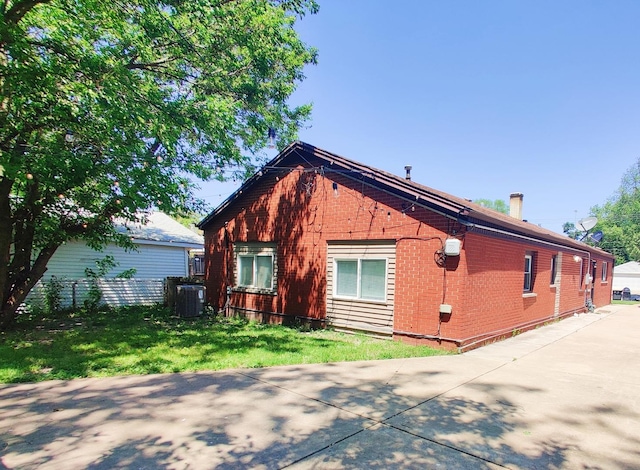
(635, 297)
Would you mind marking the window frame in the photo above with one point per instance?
(196, 265)
(605, 271)
(554, 269)
(255, 268)
(254, 251)
(528, 274)
(358, 296)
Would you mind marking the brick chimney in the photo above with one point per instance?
(515, 205)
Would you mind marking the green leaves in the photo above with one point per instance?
(154, 93)
(619, 218)
(497, 205)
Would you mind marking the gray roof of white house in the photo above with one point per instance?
(630, 267)
(162, 229)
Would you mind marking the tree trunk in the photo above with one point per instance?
(6, 230)
(21, 285)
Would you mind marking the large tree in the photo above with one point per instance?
(112, 108)
(619, 218)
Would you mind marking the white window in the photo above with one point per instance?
(528, 273)
(605, 268)
(361, 278)
(255, 271)
(255, 266)
(554, 269)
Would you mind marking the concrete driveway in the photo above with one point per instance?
(563, 396)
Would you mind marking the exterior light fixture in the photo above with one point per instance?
(576, 258)
(335, 189)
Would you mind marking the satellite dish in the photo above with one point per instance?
(588, 223)
(597, 236)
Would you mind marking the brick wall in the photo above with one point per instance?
(301, 211)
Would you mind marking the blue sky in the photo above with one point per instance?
(482, 98)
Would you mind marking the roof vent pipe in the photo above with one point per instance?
(515, 205)
(407, 168)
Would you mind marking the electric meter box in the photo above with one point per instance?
(452, 247)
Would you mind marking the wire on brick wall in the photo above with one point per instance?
(438, 255)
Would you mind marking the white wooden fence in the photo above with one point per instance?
(115, 292)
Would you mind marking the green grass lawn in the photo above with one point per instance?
(149, 340)
(625, 302)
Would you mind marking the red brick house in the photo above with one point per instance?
(316, 236)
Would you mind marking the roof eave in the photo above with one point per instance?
(247, 184)
(447, 205)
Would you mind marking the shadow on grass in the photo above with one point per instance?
(143, 340)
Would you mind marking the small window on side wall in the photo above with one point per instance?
(554, 269)
(528, 272)
(255, 266)
(605, 268)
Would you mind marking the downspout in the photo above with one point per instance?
(588, 302)
(228, 288)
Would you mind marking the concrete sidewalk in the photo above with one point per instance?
(564, 396)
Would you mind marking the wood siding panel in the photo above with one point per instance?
(370, 316)
(115, 292)
(150, 261)
(153, 264)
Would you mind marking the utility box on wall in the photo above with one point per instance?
(190, 300)
(452, 247)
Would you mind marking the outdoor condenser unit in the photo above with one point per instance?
(189, 300)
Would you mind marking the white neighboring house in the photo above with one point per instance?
(163, 248)
(627, 275)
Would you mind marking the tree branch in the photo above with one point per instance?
(149, 65)
(19, 9)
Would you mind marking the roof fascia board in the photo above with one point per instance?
(247, 184)
(406, 190)
(391, 180)
(140, 241)
(519, 232)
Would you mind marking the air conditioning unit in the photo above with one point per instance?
(190, 300)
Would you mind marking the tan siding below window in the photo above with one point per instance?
(370, 316)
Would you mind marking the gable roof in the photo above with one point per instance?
(630, 267)
(160, 229)
(473, 216)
